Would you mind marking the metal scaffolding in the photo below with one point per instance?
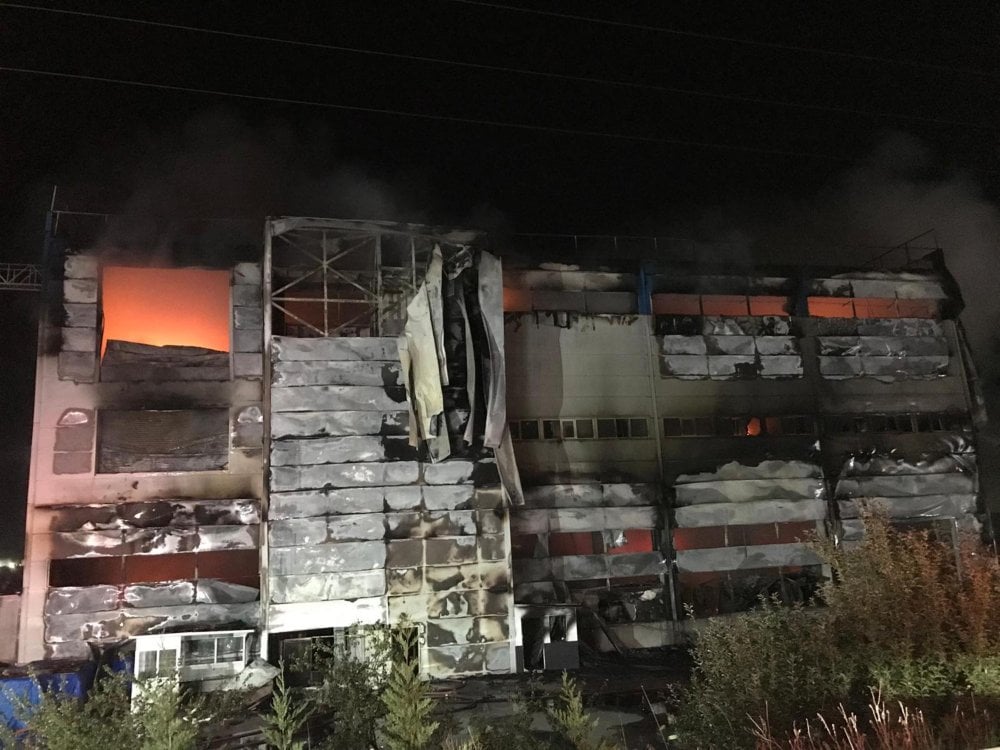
(347, 278)
(20, 277)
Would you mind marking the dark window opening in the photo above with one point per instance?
(606, 428)
(529, 430)
(585, 429)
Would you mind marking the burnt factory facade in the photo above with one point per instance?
(368, 421)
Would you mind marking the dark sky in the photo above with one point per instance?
(854, 174)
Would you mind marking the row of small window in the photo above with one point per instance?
(597, 428)
(739, 426)
(807, 425)
(594, 428)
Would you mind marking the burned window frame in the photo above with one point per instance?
(582, 429)
(738, 426)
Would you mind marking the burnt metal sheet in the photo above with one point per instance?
(905, 485)
(73, 599)
(449, 472)
(684, 366)
(770, 469)
(168, 594)
(483, 575)
(781, 367)
(433, 280)
(332, 450)
(921, 506)
(351, 500)
(450, 551)
(753, 512)
(899, 327)
(152, 514)
(430, 524)
(318, 372)
(462, 630)
(776, 345)
(887, 465)
(495, 377)
(447, 497)
(298, 616)
(418, 352)
(309, 398)
(737, 345)
(335, 349)
(327, 558)
(327, 586)
(882, 346)
(335, 423)
(124, 623)
(672, 344)
(748, 490)
(329, 476)
(212, 591)
(731, 366)
(154, 541)
(537, 521)
(745, 558)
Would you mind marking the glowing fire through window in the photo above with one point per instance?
(161, 306)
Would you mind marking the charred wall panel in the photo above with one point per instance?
(363, 528)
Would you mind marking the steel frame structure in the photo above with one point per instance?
(20, 277)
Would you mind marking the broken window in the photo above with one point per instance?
(157, 307)
(529, 429)
(157, 441)
(890, 423)
(742, 426)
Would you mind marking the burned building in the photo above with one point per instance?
(370, 421)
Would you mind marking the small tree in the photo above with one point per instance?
(166, 721)
(571, 719)
(408, 725)
(285, 718)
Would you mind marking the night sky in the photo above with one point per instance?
(888, 128)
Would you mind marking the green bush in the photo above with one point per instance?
(904, 613)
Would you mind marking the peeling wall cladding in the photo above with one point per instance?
(939, 488)
(771, 492)
(732, 351)
(357, 518)
(611, 513)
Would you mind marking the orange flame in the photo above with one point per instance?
(161, 306)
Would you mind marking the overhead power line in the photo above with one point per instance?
(632, 85)
(427, 116)
(730, 39)
(709, 145)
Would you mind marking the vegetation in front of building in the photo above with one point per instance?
(899, 651)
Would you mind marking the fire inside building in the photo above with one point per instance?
(362, 422)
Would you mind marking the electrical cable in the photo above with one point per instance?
(729, 147)
(729, 39)
(637, 86)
